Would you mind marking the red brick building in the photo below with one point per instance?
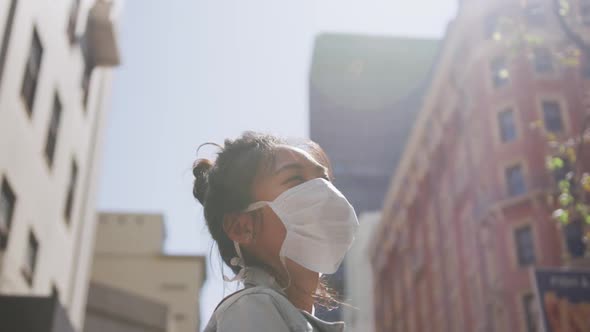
(466, 216)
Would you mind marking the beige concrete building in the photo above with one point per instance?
(129, 256)
(55, 78)
(114, 310)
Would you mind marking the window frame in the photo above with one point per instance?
(543, 53)
(6, 190)
(509, 192)
(563, 106)
(53, 130)
(31, 259)
(536, 14)
(7, 36)
(584, 12)
(490, 25)
(71, 191)
(72, 25)
(500, 129)
(521, 261)
(85, 84)
(559, 113)
(494, 69)
(32, 72)
(88, 66)
(55, 292)
(528, 317)
(585, 69)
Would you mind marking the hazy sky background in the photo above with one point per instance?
(196, 71)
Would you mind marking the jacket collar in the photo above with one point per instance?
(254, 276)
(322, 325)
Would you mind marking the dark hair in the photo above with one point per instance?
(225, 186)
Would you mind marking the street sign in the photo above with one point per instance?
(564, 298)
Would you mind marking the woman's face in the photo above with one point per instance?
(291, 167)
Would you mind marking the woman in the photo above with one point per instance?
(278, 223)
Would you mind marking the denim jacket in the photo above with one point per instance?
(263, 306)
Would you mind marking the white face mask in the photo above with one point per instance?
(320, 223)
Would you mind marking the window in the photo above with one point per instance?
(397, 297)
(73, 21)
(543, 61)
(585, 12)
(491, 26)
(585, 69)
(530, 313)
(500, 73)
(525, 248)
(424, 305)
(535, 14)
(71, 191)
(515, 180)
(86, 76)
(7, 203)
(32, 69)
(86, 71)
(507, 125)
(31, 258)
(552, 116)
(6, 36)
(54, 292)
(53, 129)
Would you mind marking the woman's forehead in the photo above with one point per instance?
(286, 154)
(286, 157)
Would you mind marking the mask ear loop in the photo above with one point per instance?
(282, 258)
(237, 261)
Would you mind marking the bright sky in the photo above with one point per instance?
(199, 71)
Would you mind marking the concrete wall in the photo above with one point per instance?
(64, 249)
(128, 261)
(130, 234)
(114, 310)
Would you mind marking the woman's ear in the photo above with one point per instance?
(239, 227)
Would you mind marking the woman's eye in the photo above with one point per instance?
(294, 179)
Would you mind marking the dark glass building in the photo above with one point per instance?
(364, 93)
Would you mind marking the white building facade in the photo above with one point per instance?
(56, 60)
(359, 276)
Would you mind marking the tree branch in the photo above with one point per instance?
(569, 32)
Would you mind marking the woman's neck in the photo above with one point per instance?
(301, 300)
(302, 286)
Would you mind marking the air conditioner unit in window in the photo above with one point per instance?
(101, 35)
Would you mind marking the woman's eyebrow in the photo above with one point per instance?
(291, 166)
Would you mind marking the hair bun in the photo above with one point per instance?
(201, 169)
